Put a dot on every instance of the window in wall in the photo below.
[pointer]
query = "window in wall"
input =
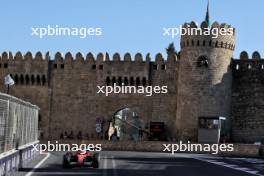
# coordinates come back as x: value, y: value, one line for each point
x: 108, y: 81
x: 137, y: 81
x: 5, y: 65
x: 27, y: 80
x: 203, y: 61
x: 144, y: 82
x: 113, y: 80
x: 38, y: 80
x: 32, y: 79
x: 132, y: 81
x: 21, y: 79
x: 43, y: 79
x: 119, y: 81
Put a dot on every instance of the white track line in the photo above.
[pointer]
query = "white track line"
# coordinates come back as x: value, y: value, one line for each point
x: 105, y: 166
x: 65, y: 173
x: 38, y: 165
x: 114, y: 165
x: 249, y: 171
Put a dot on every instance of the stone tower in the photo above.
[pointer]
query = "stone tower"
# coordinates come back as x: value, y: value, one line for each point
x: 205, y: 76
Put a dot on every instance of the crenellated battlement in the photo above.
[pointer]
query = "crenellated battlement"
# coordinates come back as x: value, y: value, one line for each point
x: 246, y: 63
x: 255, y: 56
x: 208, y: 36
x: 39, y: 69
x: 100, y: 58
x: 69, y: 58
x: 26, y: 57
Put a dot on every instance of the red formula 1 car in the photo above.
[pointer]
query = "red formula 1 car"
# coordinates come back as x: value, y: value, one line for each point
x: 80, y: 158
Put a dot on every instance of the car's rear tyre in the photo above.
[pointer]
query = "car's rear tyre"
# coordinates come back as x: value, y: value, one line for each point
x: 95, y: 163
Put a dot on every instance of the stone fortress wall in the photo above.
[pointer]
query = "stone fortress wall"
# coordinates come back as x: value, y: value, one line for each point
x: 204, y: 84
x: 65, y: 87
x: 247, y: 98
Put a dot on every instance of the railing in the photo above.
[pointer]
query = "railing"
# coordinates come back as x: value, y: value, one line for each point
x: 18, y: 123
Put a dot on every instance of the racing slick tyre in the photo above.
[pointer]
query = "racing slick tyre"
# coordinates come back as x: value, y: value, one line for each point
x: 65, y: 162
x: 95, y: 163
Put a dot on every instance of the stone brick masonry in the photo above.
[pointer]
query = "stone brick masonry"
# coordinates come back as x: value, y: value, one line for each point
x: 65, y: 87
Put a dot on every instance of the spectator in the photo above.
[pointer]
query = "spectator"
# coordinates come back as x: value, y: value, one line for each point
x: 140, y: 133
x: 114, y: 135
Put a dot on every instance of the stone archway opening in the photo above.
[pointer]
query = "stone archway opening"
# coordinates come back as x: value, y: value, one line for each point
x: 126, y: 124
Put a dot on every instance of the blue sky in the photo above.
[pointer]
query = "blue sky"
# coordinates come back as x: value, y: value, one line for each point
x: 128, y: 25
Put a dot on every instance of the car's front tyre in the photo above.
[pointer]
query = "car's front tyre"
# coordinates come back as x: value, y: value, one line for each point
x: 65, y: 162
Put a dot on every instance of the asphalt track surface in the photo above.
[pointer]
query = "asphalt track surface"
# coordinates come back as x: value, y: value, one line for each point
x: 117, y: 163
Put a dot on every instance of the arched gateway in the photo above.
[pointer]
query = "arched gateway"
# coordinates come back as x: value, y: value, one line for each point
x: 126, y: 125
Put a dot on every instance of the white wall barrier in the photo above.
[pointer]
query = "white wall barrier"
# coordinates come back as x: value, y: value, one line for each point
x: 18, y: 131
x: 12, y: 161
